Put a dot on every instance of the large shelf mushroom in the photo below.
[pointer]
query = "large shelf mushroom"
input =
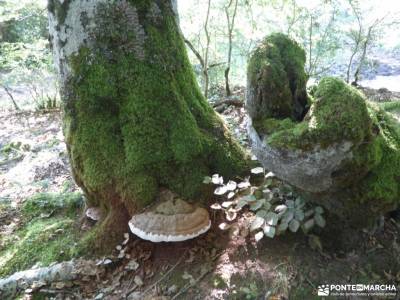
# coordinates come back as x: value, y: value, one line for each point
x: 171, y: 221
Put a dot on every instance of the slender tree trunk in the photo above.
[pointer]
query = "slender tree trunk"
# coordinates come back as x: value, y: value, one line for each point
x: 231, y: 25
x: 208, y: 40
x: 357, y: 40
x: 310, y: 33
x: 134, y: 117
x: 362, y: 57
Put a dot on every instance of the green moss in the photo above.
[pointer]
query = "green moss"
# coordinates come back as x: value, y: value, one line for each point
x: 371, y: 177
x: 276, y: 72
x: 45, y: 203
x: 382, y: 183
x: 391, y: 106
x: 48, y: 226
x: 271, y: 125
x: 339, y: 112
x: 133, y: 126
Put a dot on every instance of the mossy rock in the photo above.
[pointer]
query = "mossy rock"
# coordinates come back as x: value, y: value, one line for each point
x: 338, y: 113
x: 345, y: 153
x: 277, y: 80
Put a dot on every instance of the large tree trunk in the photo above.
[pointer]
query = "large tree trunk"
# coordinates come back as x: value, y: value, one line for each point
x: 134, y: 118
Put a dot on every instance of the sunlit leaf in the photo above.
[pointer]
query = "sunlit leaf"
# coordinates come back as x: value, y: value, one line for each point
x: 220, y: 190
x: 231, y: 185
x: 270, y: 175
x: 216, y: 206
x: 241, y: 203
x: 271, y: 218
x: 261, y: 213
x: 249, y: 198
x: 257, y: 170
x: 216, y: 179
x: 243, y: 185
x: 224, y: 226
x: 230, y: 195
x: 227, y: 204
x: 281, y: 209
x: 256, y: 223
x: 258, y: 236
x: 269, y: 231
x: 257, y: 204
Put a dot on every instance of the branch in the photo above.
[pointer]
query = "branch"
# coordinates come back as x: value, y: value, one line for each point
x: 234, y: 102
x: 11, y: 97
x: 195, y: 52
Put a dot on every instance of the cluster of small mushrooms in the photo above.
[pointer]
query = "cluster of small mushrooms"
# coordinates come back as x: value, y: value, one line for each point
x: 172, y: 220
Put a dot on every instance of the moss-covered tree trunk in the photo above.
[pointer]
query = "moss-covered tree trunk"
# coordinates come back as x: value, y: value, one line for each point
x: 134, y: 118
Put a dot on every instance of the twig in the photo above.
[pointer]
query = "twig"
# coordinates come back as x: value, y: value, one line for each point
x: 11, y: 97
x: 234, y: 102
x: 162, y: 278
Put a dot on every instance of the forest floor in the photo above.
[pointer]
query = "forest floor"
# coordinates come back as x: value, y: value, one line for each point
x: 40, y: 223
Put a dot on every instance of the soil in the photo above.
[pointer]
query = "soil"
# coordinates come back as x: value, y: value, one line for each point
x: 218, y: 265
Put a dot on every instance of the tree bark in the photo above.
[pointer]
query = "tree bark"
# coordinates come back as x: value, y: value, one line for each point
x: 134, y: 117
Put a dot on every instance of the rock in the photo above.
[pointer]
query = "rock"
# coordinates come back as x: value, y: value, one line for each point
x: 277, y: 80
x: 344, y: 154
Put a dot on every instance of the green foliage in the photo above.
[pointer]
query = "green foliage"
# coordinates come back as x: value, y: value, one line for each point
x: 273, y: 208
x: 48, y: 227
x: 20, y: 55
x: 392, y: 106
x: 24, y: 24
x: 49, y: 203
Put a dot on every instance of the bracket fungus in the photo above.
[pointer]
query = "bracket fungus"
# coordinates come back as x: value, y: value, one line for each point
x: 171, y: 221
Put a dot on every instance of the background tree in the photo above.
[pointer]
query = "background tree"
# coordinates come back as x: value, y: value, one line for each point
x: 230, y: 19
x: 134, y: 118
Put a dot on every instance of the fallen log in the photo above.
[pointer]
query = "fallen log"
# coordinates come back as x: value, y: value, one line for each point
x: 64, y: 271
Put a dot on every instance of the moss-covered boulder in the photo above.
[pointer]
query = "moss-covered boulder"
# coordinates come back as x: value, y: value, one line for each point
x: 344, y: 154
x: 277, y: 80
